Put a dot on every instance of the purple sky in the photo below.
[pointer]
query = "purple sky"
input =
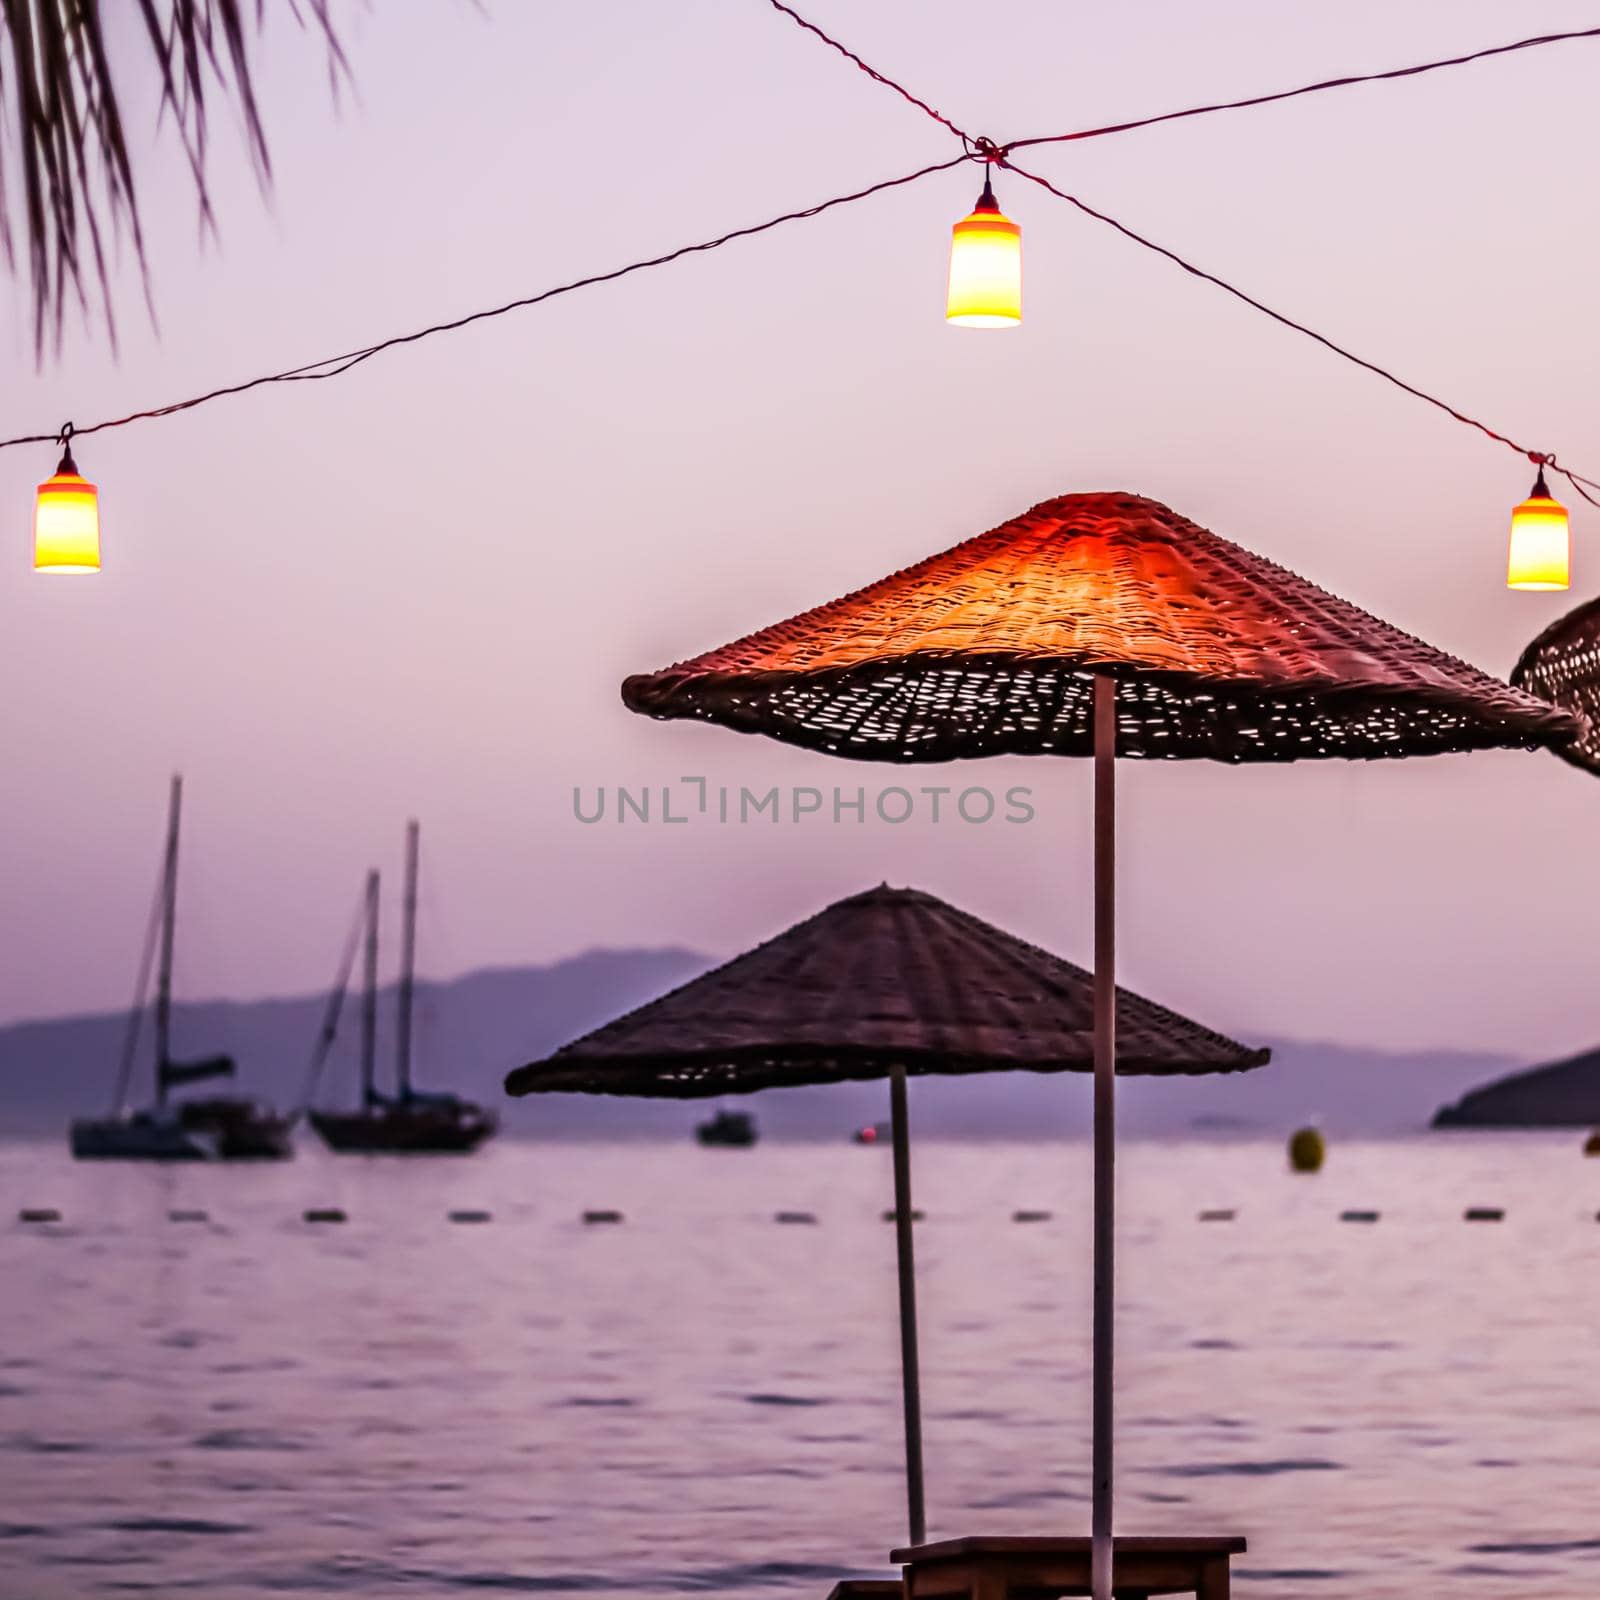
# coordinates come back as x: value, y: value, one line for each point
x: 416, y: 589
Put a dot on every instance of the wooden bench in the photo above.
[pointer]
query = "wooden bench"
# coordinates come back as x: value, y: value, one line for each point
x: 1042, y: 1569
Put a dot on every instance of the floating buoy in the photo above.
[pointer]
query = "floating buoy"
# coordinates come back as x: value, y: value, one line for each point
x: 1217, y: 1216
x: 324, y: 1214
x: 1485, y: 1214
x: 470, y: 1216
x: 1358, y: 1216
x: 1030, y: 1216
x: 187, y: 1216
x: 794, y: 1216
x: 602, y: 1216
x: 894, y: 1216
x: 1591, y: 1145
x: 38, y: 1214
x: 1307, y: 1150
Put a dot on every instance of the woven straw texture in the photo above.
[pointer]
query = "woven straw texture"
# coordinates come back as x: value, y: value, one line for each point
x: 890, y: 977
x: 1563, y: 666
x: 989, y: 649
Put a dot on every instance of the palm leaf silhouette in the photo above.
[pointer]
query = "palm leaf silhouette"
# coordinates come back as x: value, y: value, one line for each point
x: 66, y: 177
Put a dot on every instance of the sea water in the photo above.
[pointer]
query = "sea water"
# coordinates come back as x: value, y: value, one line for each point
x: 699, y: 1399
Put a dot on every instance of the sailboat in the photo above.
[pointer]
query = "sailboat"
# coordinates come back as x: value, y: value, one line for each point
x: 411, y: 1121
x: 224, y: 1126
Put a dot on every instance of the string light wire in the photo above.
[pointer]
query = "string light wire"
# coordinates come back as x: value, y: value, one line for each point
x: 988, y: 151
x: 1310, y: 88
x: 1389, y: 75
x: 333, y: 366
x: 973, y: 149
x: 871, y: 71
x: 1537, y: 456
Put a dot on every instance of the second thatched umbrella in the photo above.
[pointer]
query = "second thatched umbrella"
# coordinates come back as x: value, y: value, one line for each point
x: 884, y: 984
x: 1099, y: 624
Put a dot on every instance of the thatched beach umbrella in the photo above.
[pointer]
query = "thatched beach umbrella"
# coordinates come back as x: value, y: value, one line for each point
x: 1563, y: 666
x: 1098, y: 624
x: 883, y: 984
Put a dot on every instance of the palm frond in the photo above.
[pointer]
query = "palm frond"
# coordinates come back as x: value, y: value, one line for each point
x: 66, y: 175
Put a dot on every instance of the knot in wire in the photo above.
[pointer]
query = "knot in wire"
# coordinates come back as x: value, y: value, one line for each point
x: 985, y: 150
x: 64, y: 438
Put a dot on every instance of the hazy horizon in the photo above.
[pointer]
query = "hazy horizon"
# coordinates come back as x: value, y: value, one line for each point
x: 388, y: 983
x: 415, y: 590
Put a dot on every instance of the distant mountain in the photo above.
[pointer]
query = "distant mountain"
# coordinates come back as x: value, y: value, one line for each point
x: 470, y: 1030
x: 1564, y: 1094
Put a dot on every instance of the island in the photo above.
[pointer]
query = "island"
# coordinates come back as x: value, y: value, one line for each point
x: 1561, y: 1094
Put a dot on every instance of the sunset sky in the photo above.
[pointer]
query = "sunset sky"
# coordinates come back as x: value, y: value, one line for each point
x: 415, y: 590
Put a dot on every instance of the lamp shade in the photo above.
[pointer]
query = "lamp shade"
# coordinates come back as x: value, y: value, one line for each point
x: 1540, y: 542
x: 66, y: 522
x: 985, y: 288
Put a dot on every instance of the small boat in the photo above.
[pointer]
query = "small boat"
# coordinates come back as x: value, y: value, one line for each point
x: 153, y: 1135
x: 411, y: 1121
x: 419, y: 1124
x: 176, y: 1130
x: 872, y: 1133
x: 733, y: 1130
x: 239, y: 1129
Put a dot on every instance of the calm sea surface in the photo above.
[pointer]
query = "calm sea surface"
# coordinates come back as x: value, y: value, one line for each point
x: 702, y: 1400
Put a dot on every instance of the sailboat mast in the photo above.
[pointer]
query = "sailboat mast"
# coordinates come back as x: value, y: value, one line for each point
x: 369, y: 999
x: 169, y: 916
x: 408, y: 961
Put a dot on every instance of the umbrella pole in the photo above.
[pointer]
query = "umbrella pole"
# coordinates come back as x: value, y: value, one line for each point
x: 1105, y: 1125
x: 910, y: 1378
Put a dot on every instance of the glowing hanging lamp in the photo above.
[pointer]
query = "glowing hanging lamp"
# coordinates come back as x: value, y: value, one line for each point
x: 985, y: 267
x: 1540, y: 541
x: 66, y: 518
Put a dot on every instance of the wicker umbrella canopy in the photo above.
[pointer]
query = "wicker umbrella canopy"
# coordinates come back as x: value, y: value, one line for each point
x: 991, y: 647
x: 884, y: 979
x: 885, y: 983
x: 1104, y: 625
x: 1563, y: 666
